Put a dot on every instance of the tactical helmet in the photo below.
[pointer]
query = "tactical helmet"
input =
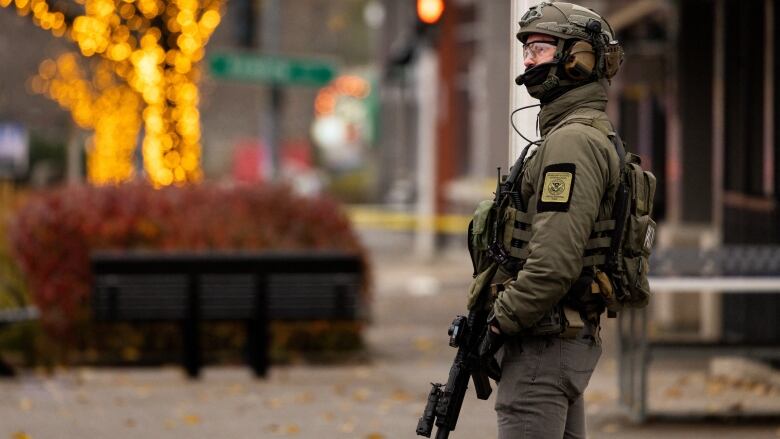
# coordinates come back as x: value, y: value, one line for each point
x: 587, y: 48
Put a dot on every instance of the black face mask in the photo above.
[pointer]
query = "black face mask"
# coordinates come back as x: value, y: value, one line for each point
x: 543, y: 82
x: 540, y: 79
x: 536, y: 75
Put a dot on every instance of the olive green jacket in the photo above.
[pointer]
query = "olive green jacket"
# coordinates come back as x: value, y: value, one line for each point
x: 570, y: 182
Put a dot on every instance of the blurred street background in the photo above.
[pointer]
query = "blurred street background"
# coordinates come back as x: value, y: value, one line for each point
x: 371, y: 128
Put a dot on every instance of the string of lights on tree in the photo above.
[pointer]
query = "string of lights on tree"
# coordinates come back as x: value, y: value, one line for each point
x: 139, y: 70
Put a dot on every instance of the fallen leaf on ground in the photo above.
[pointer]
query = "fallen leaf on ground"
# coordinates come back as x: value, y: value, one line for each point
x: 236, y: 389
x: 143, y: 391
x: 130, y: 423
x: 385, y: 407
x: 683, y: 380
x: 347, y: 427
x: 375, y: 436
x: 715, y: 388
x: 673, y: 392
x: 82, y: 398
x: 273, y: 403
x: 595, y: 397
x: 423, y: 344
x: 760, y: 389
x: 400, y: 396
x: 20, y: 435
x: 610, y: 428
x: 191, y: 419
x: 340, y: 389
x: 293, y: 429
x: 25, y: 404
x: 327, y: 416
x: 361, y: 394
x: 740, y: 383
x: 363, y: 372
x: 304, y: 398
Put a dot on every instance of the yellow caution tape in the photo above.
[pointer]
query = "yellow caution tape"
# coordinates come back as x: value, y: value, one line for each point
x: 375, y: 218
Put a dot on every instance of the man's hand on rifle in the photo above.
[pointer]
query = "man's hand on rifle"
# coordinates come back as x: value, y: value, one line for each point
x: 491, y: 343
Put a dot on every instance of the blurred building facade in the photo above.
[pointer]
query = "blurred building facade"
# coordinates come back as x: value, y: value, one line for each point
x: 698, y: 101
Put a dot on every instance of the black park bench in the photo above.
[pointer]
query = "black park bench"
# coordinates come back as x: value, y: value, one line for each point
x: 11, y: 316
x: 189, y: 287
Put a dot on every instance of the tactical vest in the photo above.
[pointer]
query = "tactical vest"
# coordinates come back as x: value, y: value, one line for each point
x: 615, y: 261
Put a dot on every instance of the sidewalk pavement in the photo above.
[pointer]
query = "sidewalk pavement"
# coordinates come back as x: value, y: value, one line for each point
x: 381, y: 398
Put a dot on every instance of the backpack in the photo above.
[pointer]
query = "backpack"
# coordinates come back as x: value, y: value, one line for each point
x: 618, y: 249
x: 627, y: 264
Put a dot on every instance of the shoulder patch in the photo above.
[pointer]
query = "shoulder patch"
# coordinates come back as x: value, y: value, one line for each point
x: 557, y: 187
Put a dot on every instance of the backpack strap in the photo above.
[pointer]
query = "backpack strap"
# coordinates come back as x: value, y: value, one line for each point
x: 620, y: 208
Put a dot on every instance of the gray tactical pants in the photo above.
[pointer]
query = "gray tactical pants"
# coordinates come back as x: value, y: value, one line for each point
x: 540, y: 393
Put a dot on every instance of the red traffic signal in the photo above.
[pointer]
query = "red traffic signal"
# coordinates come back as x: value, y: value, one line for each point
x: 430, y: 11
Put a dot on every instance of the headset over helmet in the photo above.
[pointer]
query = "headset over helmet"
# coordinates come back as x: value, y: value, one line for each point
x: 587, y: 49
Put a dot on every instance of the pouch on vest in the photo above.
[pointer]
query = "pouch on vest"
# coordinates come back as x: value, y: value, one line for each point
x: 480, y: 235
x: 627, y: 263
x: 639, y: 235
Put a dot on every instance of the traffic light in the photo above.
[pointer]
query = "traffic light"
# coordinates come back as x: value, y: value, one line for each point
x: 424, y: 33
x: 429, y: 11
x: 429, y: 17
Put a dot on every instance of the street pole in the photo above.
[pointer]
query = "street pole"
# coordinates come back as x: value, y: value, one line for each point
x: 525, y: 120
x: 426, y: 93
x: 271, y: 17
x: 73, y: 165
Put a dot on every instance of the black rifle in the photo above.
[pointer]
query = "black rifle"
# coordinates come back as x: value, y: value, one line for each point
x: 445, y: 400
x: 505, y: 188
x: 470, y: 335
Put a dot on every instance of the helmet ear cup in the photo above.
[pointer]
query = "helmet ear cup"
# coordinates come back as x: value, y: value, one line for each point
x: 614, y: 58
x: 580, y: 61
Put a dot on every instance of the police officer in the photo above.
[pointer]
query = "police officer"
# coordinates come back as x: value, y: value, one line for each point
x: 543, y: 311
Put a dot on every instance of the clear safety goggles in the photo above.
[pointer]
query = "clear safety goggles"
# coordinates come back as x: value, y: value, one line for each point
x: 537, y: 49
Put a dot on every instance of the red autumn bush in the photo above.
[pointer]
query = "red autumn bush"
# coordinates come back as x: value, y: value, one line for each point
x: 53, y: 233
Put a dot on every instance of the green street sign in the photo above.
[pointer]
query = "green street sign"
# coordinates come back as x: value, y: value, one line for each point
x: 271, y: 69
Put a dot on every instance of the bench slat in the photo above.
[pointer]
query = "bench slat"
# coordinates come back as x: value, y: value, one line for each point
x: 15, y: 315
